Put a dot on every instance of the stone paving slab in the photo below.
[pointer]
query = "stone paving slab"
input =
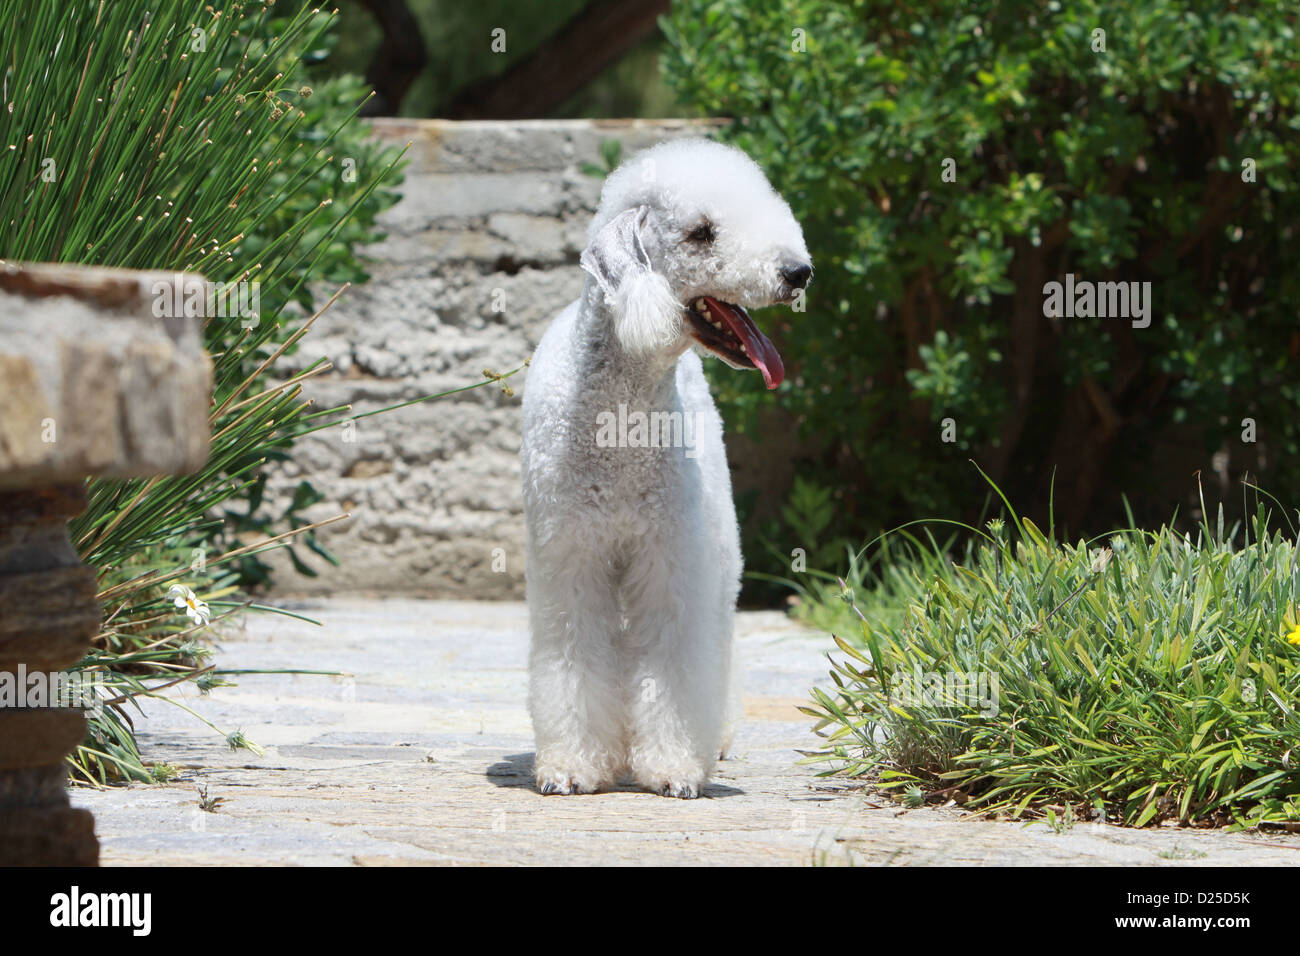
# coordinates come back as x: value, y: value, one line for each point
x: 422, y: 755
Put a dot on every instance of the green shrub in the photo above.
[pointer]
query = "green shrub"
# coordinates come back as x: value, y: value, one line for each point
x: 928, y: 299
x: 1145, y: 676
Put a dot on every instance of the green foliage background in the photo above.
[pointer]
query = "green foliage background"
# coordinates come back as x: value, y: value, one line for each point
x: 457, y: 35
x: 927, y: 301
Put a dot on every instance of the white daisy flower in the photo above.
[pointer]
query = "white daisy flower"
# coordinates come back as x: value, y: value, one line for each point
x: 198, y: 612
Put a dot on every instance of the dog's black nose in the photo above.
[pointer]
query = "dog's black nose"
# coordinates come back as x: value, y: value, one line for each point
x: 797, y: 276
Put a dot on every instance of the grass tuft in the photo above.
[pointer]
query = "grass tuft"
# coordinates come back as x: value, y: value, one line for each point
x: 1151, y: 676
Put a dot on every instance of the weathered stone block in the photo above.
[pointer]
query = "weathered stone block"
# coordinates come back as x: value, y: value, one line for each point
x: 31, y: 836
x: 94, y: 380
x: 37, y: 737
x: 34, y: 787
x: 100, y: 375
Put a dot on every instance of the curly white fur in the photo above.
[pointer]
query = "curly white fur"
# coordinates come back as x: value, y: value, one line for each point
x: 633, y: 550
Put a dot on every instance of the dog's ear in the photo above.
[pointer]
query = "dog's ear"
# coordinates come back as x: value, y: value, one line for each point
x: 617, y: 250
x: 646, y: 314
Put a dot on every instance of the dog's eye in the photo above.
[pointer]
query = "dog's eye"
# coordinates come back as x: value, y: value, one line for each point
x: 701, y: 233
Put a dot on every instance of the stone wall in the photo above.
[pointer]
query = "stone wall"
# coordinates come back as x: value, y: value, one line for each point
x: 482, y: 251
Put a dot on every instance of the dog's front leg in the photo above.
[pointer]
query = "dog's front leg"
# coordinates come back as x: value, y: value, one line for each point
x: 676, y: 668
x: 573, y: 693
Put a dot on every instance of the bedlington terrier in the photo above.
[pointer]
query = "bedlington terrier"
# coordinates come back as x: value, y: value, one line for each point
x: 633, y: 549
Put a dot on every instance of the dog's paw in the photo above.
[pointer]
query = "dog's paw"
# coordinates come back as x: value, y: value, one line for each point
x: 682, y: 778
x: 684, y: 791
x: 566, y: 784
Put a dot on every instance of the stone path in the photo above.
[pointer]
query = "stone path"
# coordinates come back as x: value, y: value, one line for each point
x: 422, y: 755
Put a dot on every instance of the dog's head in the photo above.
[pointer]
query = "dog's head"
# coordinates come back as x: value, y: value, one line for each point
x: 688, y: 236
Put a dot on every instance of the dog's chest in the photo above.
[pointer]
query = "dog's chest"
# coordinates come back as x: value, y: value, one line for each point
x: 627, y: 463
x: 642, y: 469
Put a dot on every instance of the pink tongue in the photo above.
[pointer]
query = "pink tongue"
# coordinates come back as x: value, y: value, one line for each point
x: 757, y: 345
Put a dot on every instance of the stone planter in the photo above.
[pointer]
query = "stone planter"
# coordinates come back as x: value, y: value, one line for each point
x: 93, y: 383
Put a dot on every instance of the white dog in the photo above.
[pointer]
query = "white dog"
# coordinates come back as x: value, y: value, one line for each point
x: 633, y: 550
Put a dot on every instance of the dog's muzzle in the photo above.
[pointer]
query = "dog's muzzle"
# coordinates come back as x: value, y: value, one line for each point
x: 728, y: 332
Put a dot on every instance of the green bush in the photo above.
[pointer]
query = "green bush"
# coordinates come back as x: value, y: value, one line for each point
x: 928, y: 299
x: 1142, y: 677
